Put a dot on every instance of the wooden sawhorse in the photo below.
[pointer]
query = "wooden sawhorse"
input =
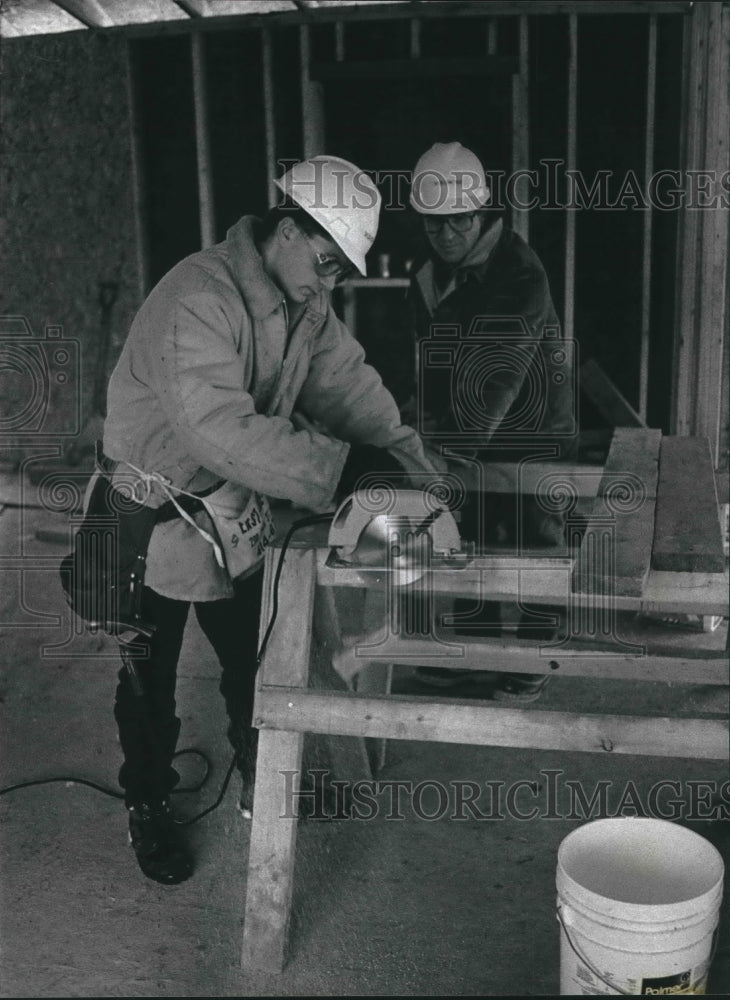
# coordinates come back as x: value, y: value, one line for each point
x: 287, y: 707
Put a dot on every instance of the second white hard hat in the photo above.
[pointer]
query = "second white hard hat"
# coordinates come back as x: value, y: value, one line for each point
x: 448, y: 180
x: 341, y: 198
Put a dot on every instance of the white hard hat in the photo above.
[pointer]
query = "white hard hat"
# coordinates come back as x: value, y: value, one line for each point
x: 341, y: 198
x: 447, y: 180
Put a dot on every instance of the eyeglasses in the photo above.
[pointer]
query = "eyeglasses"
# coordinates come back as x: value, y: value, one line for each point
x: 326, y: 265
x: 460, y: 223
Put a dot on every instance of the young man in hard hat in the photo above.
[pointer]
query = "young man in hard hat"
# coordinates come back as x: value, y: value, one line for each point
x: 489, y: 377
x: 231, y: 346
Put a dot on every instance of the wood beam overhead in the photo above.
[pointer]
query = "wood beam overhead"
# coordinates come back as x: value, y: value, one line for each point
x: 89, y: 12
x: 146, y: 17
x: 39, y: 18
x: 224, y: 8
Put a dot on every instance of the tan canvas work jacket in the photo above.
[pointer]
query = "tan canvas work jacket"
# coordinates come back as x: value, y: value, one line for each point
x: 207, y: 388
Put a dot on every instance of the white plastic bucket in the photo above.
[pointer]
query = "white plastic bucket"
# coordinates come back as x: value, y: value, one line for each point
x: 638, y: 904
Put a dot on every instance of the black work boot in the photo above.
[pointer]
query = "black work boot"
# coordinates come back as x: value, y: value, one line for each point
x: 161, y: 854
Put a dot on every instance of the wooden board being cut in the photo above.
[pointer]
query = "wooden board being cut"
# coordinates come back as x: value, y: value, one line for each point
x: 615, y: 555
x: 687, y: 534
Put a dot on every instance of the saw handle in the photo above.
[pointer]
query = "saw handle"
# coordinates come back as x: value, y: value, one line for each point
x: 428, y: 521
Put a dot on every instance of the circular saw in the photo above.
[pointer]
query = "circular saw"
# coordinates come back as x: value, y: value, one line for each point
x: 400, y: 533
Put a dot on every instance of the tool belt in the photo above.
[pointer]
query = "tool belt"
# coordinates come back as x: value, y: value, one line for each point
x: 103, y: 576
x: 190, y: 504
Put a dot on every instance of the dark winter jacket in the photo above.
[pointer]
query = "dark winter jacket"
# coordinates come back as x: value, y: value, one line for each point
x: 494, y: 377
x: 492, y: 367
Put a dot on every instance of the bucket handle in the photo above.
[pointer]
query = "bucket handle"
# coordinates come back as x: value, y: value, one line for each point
x: 594, y: 970
x: 584, y: 960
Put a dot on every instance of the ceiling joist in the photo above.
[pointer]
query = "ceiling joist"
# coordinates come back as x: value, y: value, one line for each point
x: 19, y: 18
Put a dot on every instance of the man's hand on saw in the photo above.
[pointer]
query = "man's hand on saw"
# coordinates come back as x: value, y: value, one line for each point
x: 368, y: 460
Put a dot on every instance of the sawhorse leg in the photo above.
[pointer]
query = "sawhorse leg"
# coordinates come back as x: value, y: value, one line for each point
x: 376, y: 676
x: 272, y: 854
x: 347, y: 757
x: 274, y: 824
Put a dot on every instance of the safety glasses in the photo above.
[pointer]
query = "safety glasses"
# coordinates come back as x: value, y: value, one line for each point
x: 460, y: 223
x: 327, y: 265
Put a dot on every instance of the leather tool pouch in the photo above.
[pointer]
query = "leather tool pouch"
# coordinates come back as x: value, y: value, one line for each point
x: 103, y: 575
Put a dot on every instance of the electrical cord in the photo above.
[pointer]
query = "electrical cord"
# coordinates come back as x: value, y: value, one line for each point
x: 68, y: 780
x: 75, y: 780
x: 295, y: 526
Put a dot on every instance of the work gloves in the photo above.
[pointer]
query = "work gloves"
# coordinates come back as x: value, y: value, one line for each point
x: 365, y: 459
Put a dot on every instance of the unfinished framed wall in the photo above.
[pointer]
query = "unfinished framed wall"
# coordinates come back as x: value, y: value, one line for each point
x: 700, y: 377
x: 609, y: 121
x: 588, y: 176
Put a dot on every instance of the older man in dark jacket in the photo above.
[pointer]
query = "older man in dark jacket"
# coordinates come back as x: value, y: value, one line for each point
x: 495, y: 379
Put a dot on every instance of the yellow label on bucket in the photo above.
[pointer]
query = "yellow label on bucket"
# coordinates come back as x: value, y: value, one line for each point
x: 663, y: 986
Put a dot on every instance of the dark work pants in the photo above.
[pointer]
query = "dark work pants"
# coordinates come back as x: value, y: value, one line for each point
x: 148, y: 724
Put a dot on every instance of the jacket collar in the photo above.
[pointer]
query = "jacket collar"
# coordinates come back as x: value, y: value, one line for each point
x: 475, y: 263
x: 477, y: 258
x: 262, y: 295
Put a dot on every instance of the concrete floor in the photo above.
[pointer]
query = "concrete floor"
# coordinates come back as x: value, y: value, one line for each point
x: 407, y: 907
